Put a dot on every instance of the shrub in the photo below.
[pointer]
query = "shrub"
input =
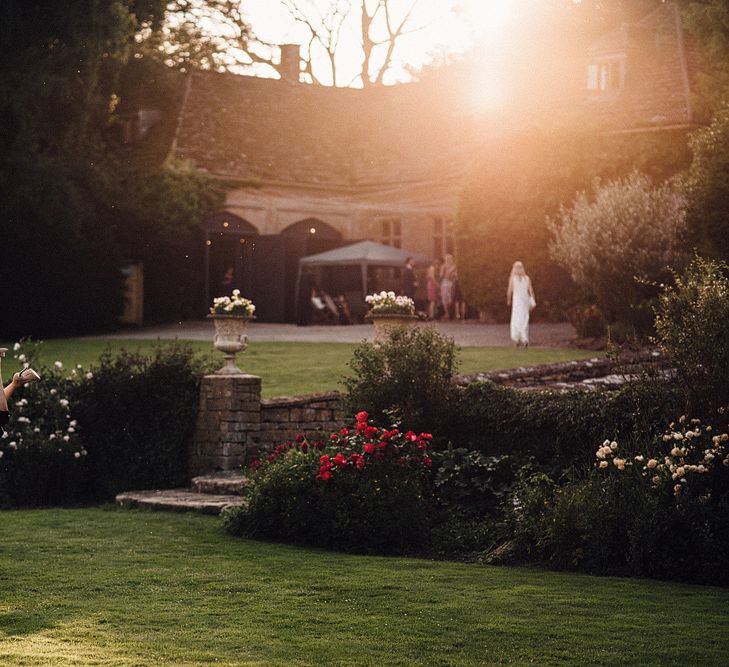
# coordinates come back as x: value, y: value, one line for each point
x: 472, y: 483
x: 411, y: 372
x: 621, y: 242
x: 43, y: 460
x: 364, y: 490
x: 138, y: 415
x: 589, y: 322
x: 81, y: 436
x: 556, y: 428
x: 691, y: 330
x: 657, y: 507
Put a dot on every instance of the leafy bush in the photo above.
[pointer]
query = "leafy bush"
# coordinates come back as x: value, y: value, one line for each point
x: 43, y: 459
x: 80, y: 436
x: 691, y: 324
x: 364, y: 490
x: 411, y: 372
x: 708, y: 188
x: 138, y: 416
x: 621, y: 242
x: 656, y: 507
x: 472, y: 483
x: 589, y: 322
x: 556, y: 428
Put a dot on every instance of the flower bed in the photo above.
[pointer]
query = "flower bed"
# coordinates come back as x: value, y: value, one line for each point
x: 363, y: 489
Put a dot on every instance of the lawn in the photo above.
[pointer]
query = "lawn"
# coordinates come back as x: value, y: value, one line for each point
x: 299, y: 368
x: 115, y: 587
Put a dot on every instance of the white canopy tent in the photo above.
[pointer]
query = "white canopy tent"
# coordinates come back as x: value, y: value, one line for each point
x: 364, y: 254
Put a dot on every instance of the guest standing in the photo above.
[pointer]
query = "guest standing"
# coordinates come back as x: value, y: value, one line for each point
x: 448, y: 285
x: 520, y: 296
x: 409, y: 281
x: 433, y: 288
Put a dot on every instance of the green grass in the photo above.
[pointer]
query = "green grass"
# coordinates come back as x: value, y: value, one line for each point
x: 114, y: 587
x: 299, y: 368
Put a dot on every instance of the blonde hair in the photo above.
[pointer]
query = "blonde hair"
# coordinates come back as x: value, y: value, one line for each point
x: 517, y: 268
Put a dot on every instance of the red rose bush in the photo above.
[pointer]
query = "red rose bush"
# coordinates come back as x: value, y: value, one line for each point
x: 364, y: 489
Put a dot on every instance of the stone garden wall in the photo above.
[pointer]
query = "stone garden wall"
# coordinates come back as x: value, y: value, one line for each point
x: 234, y: 423
x: 282, y: 418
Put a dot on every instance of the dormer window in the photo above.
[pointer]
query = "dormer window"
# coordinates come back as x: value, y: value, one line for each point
x: 605, y: 75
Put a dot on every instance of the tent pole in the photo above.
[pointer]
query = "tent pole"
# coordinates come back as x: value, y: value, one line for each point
x: 297, y: 307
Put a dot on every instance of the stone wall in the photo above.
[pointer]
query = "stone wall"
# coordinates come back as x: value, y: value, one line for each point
x: 228, y: 427
x: 234, y: 424
x: 282, y: 418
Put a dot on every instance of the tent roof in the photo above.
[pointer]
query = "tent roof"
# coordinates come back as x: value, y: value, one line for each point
x: 364, y: 252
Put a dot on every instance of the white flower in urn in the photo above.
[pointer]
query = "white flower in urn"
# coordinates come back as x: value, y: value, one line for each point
x: 389, y: 303
x: 235, y: 304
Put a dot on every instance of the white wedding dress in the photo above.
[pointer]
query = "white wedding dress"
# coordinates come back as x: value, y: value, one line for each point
x: 520, y: 309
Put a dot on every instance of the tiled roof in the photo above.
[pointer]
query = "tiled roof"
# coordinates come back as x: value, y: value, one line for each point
x: 289, y: 133
x: 273, y: 130
x: 659, y: 65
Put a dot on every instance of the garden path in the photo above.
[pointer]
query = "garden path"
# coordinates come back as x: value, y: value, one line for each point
x: 467, y: 334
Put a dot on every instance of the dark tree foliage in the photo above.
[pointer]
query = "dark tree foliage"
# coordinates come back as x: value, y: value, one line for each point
x: 708, y: 22
x: 708, y: 188
x: 75, y: 207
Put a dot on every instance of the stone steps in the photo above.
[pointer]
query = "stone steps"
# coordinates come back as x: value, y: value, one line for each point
x: 222, y: 483
x: 209, y: 494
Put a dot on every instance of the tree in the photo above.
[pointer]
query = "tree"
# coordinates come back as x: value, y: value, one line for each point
x: 708, y: 187
x: 204, y: 34
x: 708, y: 22
x: 620, y: 242
x: 377, y: 24
x: 69, y: 206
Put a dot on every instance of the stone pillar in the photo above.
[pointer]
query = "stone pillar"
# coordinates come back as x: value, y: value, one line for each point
x: 228, y: 423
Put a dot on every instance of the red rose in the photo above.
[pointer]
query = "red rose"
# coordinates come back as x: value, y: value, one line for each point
x: 369, y: 447
x: 382, y: 445
x: 411, y: 436
x: 344, y: 431
x: 360, y: 463
x: 324, y: 459
x: 324, y: 475
x: 361, y: 416
x: 371, y: 431
x: 426, y: 436
x: 340, y: 459
x: 422, y: 445
x: 427, y: 461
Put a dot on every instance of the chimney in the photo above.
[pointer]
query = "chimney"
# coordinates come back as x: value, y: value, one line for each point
x: 290, y: 66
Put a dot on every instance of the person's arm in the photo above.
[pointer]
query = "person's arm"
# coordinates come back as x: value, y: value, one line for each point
x: 509, y: 292
x: 531, y: 290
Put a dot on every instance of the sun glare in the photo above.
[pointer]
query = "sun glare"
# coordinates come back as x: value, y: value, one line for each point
x: 489, y: 16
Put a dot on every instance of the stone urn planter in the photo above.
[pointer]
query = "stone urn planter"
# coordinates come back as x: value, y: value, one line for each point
x: 384, y: 323
x: 230, y: 338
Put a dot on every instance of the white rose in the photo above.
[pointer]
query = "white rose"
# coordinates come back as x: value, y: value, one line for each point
x: 603, y: 464
x: 58, y: 364
x: 16, y: 347
x: 652, y: 463
x: 21, y: 358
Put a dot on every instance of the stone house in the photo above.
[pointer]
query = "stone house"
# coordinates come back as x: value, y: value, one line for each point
x: 312, y: 167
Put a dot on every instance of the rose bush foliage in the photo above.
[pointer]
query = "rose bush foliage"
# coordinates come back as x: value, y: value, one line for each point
x: 365, y: 489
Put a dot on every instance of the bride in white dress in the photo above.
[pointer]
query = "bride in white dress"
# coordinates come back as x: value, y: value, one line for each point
x: 520, y: 296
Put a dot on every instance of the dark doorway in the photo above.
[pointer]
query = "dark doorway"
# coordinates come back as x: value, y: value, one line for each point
x: 303, y: 238
x: 228, y: 255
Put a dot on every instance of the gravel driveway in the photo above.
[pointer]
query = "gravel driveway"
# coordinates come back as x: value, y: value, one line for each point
x: 465, y: 334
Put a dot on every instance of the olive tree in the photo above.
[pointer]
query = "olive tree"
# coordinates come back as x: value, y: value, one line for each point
x: 620, y: 240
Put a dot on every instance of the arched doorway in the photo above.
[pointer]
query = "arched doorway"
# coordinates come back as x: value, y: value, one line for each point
x: 306, y: 237
x: 229, y: 245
